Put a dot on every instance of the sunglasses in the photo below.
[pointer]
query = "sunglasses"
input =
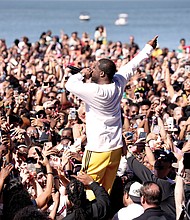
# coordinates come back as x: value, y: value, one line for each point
x: 31, y: 160
x: 51, y: 97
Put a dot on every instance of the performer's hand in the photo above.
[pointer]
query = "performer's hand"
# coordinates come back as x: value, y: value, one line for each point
x: 87, y: 73
x: 153, y: 42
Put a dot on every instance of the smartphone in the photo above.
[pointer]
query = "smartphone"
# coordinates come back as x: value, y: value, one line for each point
x: 186, y: 160
x: 39, y: 153
x: 129, y: 135
x: 170, y: 123
x: 187, y: 136
x: 72, y: 113
x: 187, y: 68
x: 142, y: 135
x: 156, y: 129
x: 33, y: 78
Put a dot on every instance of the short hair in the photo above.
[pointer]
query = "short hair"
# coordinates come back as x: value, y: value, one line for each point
x: 182, y: 39
x: 108, y: 67
x: 151, y: 192
x: 134, y: 105
x: 178, y: 98
x: 171, y: 106
x: 183, y: 118
x: 145, y: 102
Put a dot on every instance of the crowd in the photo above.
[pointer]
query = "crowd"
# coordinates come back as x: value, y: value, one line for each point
x: 44, y: 135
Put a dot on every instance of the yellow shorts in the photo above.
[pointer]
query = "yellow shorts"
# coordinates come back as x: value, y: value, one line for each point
x: 102, y: 166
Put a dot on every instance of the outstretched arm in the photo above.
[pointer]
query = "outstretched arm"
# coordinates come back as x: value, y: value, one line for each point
x: 128, y: 70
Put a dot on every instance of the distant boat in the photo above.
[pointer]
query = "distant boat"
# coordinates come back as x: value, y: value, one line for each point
x: 122, y: 19
x: 84, y: 16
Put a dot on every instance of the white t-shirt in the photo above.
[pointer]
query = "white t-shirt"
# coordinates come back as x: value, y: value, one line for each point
x: 130, y: 212
x: 103, y: 110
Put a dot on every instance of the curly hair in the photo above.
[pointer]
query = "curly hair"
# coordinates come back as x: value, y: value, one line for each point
x: 30, y: 213
x: 77, y: 195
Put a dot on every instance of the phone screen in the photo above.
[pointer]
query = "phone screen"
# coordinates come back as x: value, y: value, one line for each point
x: 156, y: 129
x: 170, y: 123
x: 187, y: 68
x: 72, y: 113
x: 142, y: 135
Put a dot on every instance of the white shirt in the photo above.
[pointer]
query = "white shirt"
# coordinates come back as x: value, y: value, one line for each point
x: 130, y: 212
x: 103, y: 110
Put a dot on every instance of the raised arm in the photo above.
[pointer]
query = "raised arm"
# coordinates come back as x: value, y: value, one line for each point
x: 128, y: 70
x: 43, y: 198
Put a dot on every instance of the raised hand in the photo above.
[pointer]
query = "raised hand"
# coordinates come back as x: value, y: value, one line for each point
x: 153, y: 42
x: 5, y: 170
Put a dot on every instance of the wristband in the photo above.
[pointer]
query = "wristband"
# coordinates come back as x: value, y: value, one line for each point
x: 90, y: 182
x: 50, y: 173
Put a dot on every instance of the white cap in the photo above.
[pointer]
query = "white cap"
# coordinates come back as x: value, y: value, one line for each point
x: 134, y: 191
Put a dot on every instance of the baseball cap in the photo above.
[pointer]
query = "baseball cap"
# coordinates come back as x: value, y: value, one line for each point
x: 134, y: 192
x: 48, y: 104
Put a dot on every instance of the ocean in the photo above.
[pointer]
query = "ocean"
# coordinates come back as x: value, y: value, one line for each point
x: 170, y: 19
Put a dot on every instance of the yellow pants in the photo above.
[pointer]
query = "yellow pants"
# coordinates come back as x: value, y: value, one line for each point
x: 102, y: 167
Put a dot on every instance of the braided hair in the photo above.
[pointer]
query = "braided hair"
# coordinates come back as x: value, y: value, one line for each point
x: 77, y: 195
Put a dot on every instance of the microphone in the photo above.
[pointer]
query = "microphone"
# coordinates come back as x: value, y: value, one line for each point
x: 74, y: 70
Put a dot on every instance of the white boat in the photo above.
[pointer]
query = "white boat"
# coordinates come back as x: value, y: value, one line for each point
x: 122, y: 19
x: 84, y: 16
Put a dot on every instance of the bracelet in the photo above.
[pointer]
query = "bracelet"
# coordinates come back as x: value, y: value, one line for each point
x: 50, y: 173
x: 179, y: 174
x: 56, y: 177
x: 91, y: 182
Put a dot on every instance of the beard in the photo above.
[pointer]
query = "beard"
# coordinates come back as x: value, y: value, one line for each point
x: 94, y: 79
